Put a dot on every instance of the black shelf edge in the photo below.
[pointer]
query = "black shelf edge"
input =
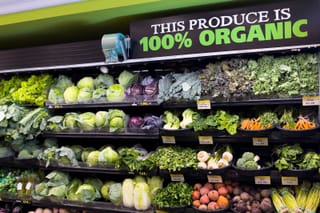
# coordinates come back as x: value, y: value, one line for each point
x: 102, y: 105
x: 122, y: 135
x: 96, y: 206
x: 251, y: 102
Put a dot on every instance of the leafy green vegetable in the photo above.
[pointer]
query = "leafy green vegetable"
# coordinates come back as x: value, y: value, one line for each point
x: 70, y: 121
x: 126, y: 78
x: 84, y: 95
x: 55, y: 95
x: 34, y: 90
x: 58, y: 191
x: 175, y: 194
x: 57, y: 178
x: 115, y: 193
x: 179, y: 86
x: 86, y: 82
x: 7, y: 87
x: 103, y: 81
x: 71, y: 95
x: 55, y: 123
x: 171, y: 121
x: 115, y: 93
x: 294, y: 157
x: 72, y: 189
x: 105, y: 189
x: 93, y: 158
x: 87, y: 121
x: 175, y: 158
x: 86, y: 192
x: 116, y: 120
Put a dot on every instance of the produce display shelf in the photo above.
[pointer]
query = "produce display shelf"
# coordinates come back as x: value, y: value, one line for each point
x: 95, y: 206
x: 245, y: 102
x: 122, y: 135
x: 102, y: 105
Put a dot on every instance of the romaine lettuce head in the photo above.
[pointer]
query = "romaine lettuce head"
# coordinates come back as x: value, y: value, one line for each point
x: 103, y: 81
x: 87, y: 121
x: 127, y: 78
x: 85, y: 82
x: 85, y: 95
x: 71, y: 95
x: 115, y: 93
x: 70, y: 120
x: 86, y: 192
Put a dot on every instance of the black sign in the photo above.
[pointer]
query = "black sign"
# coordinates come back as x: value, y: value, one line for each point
x: 283, y: 24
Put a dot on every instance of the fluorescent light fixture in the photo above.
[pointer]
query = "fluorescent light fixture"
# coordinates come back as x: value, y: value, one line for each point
x: 16, y: 6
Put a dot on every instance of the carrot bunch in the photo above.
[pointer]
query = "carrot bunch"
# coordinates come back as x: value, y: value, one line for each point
x: 253, y: 124
x: 302, y: 124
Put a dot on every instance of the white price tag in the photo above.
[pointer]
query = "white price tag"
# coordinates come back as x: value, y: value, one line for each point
x: 177, y: 177
x: 203, y: 104
x: 214, y: 179
x: 260, y: 141
x: 289, y: 181
x: 262, y: 180
x: 19, y: 186
x: 205, y: 140
x: 168, y: 139
x: 310, y: 100
x: 28, y: 186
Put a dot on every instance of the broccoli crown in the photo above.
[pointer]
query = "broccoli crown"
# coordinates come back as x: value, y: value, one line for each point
x: 240, y: 163
x: 248, y: 156
x: 251, y: 165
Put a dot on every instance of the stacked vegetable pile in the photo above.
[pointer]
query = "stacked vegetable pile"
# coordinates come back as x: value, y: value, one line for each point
x: 175, y: 158
x: 283, y: 76
x: 146, y: 123
x: 293, y: 157
x: 19, y: 124
x: 221, y: 158
x: 303, y: 198
x: 73, y: 155
x: 250, y: 161
x: 175, y: 194
x: 8, y: 181
x: 32, y: 90
x: 211, y: 197
x: 221, y: 120
x: 249, y: 199
x: 134, y: 193
x: 179, y: 87
x: 290, y: 122
x: 103, y: 88
x: 264, y: 121
x: 113, y: 120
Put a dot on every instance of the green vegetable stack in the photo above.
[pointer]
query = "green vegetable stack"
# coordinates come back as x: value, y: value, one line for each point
x: 173, y: 195
x: 248, y: 161
x: 294, y: 157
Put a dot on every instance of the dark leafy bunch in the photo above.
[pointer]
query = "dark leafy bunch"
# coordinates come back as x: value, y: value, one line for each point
x: 173, y: 195
x: 175, y: 158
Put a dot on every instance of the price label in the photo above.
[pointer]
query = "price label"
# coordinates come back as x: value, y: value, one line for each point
x: 26, y: 201
x: 262, y: 180
x: 260, y: 141
x: 57, y: 107
x: 289, y: 180
x: 144, y: 103
x: 28, y: 186
x: 203, y: 104
x: 214, y: 179
x: 310, y: 100
x: 205, y: 140
x: 168, y: 139
x: 161, y: 211
x: 19, y: 186
x: 177, y: 177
